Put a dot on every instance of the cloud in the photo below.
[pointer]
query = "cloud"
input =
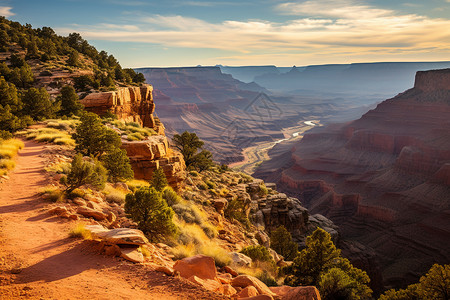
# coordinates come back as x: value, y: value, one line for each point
x: 345, y: 9
x: 6, y: 11
x: 314, y: 34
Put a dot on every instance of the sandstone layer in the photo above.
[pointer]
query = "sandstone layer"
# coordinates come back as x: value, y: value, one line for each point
x: 383, y: 179
x: 135, y: 104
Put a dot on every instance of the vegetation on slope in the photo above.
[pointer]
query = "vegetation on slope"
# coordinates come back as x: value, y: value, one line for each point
x: 42, y: 74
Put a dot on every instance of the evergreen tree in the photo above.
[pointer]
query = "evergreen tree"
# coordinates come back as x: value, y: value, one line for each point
x: 159, y: 181
x: 37, y: 104
x: 85, y: 172
x: 69, y: 102
x: 317, y: 263
x: 189, y: 144
x: 152, y: 214
x: 118, y: 165
x: 281, y: 241
x: 74, y: 59
x: 93, y: 138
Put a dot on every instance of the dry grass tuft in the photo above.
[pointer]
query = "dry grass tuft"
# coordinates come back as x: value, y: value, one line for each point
x: 80, y: 231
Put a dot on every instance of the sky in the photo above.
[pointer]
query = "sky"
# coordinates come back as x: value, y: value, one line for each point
x: 148, y: 33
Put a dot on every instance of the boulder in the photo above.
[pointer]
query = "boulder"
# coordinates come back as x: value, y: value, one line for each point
x: 302, y: 293
x: 280, y: 290
x: 249, y: 291
x: 247, y: 280
x: 225, y: 278
x: 240, y: 259
x: 166, y: 270
x: 132, y: 254
x: 276, y: 257
x: 228, y: 290
x: 230, y: 271
x: 122, y: 236
x: 200, y: 265
x: 209, y: 284
x: 263, y: 238
x: 91, y: 213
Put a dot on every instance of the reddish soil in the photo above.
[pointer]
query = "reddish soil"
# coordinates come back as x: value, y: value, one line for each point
x: 39, y: 261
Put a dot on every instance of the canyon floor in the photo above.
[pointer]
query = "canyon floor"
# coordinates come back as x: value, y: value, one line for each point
x: 38, y: 259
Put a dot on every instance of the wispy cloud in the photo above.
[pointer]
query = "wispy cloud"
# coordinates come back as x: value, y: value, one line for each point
x: 319, y: 29
x: 6, y: 11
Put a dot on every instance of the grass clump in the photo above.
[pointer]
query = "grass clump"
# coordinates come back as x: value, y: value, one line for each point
x: 80, y: 231
x: 135, y: 184
x: 53, y: 194
x: 9, y: 148
x: 114, y: 195
x: 48, y: 135
x: 258, y: 253
x: 133, y: 130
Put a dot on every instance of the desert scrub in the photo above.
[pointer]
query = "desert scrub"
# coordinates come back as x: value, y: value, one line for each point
x: 68, y: 125
x: 263, y: 191
x: 60, y: 167
x: 8, y: 150
x: 135, y: 184
x: 114, y: 195
x: 244, y: 178
x: 50, y: 135
x: 171, y: 197
x: 80, y: 231
x: 133, y: 130
x: 258, y: 253
x: 52, y: 193
x: 202, y: 186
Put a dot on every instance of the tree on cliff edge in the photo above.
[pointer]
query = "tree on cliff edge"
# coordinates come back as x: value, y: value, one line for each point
x: 189, y: 144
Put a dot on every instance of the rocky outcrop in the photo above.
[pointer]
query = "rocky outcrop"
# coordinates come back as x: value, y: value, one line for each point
x: 277, y: 209
x: 148, y: 155
x: 383, y: 179
x: 131, y: 104
x: 136, y: 104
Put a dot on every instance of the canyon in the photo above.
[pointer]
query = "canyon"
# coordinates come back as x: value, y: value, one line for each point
x: 384, y: 179
x: 230, y: 115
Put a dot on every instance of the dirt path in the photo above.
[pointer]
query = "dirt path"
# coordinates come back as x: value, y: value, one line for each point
x: 39, y: 261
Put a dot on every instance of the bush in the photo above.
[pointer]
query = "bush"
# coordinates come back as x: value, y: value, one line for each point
x: 70, y: 105
x: 189, y: 144
x: 152, y: 214
x: 93, y: 138
x: 171, y: 196
x: 316, y: 264
x: 188, y: 213
x: 236, y: 210
x: 118, y: 165
x: 159, y: 180
x: 80, y: 231
x: 281, y: 242
x: 84, y: 172
x: 258, y: 253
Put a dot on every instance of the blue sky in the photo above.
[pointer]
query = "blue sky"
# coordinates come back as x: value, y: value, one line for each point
x: 143, y: 33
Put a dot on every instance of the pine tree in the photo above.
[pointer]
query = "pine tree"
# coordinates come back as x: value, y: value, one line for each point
x: 159, y: 181
x: 118, y: 165
x: 281, y: 241
x: 84, y: 172
x: 70, y: 105
x: 152, y: 214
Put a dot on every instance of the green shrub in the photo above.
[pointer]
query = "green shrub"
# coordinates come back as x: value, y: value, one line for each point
x: 171, y: 196
x: 258, y: 253
x: 152, y: 214
x: 236, y: 211
x: 84, y: 172
x: 189, y: 213
x: 118, y: 165
x: 268, y: 279
x: 159, y: 180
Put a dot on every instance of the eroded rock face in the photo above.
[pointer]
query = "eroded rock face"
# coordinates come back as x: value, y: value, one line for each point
x: 149, y: 155
x: 131, y: 104
x: 383, y: 179
x: 136, y: 104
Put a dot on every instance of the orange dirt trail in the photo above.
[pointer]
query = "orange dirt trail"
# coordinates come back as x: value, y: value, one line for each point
x: 39, y: 261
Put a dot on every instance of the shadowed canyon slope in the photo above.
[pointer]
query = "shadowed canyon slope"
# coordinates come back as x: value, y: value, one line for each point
x: 231, y: 115
x: 383, y: 179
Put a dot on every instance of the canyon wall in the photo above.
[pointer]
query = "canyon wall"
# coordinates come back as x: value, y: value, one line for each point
x: 383, y: 179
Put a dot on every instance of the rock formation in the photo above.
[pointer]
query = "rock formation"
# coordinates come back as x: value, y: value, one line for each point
x: 135, y: 104
x: 131, y: 104
x: 383, y: 179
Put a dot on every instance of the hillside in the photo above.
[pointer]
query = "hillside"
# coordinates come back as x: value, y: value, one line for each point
x: 383, y: 178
